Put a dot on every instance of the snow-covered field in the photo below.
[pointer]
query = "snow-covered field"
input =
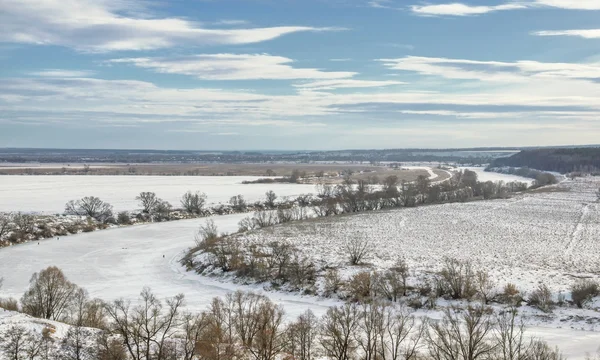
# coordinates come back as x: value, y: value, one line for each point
x: 119, y: 262
x: 546, y: 237
x: 49, y: 194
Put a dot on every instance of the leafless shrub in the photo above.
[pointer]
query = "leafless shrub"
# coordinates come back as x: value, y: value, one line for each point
x: 207, y: 235
x: 485, y: 287
x: 361, y: 286
x: 238, y: 203
x: 271, y: 197
x: 6, y: 224
x: 109, y: 348
x: 541, y: 298
x: 357, y: 248
x: 90, y: 206
x: 123, y: 218
x: 583, y: 291
x: 264, y: 218
x: 332, y: 282
x: 246, y: 224
x: 9, y: 304
x: 193, y: 203
x: 456, y: 279
x: 285, y: 215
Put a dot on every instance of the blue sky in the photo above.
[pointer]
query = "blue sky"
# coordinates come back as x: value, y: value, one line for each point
x: 298, y: 74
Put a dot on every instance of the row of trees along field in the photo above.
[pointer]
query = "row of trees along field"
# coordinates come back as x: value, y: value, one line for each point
x: 349, y: 197
x: 245, y: 325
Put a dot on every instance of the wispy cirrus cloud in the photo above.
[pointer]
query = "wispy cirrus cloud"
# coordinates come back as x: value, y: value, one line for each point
x: 346, y: 84
x: 463, y: 9
x: 583, y: 33
x: 114, y: 25
x: 571, y: 4
x: 60, y: 73
x: 459, y: 9
x: 494, y: 71
x: 233, y: 67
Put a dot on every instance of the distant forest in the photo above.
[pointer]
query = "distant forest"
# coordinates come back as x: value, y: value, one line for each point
x: 562, y: 160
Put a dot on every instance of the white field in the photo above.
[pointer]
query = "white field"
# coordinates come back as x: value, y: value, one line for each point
x: 49, y: 194
x: 542, y: 236
x: 545, y: 237
x: 119, y: 262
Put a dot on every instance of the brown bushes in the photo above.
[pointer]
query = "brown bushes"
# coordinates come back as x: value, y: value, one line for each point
x: 583, y: 291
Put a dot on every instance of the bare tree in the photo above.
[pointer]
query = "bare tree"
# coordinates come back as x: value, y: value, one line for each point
x: 14, y: 342
x: 74, y: 345
x: 146, y: 327
x: 268, y: 341
x: 510, y: 336
x: 50, y: 294
x: 464, y: 337
x: 193, y: 202
x: 301, y: 336
x: 271, y: 197
x: 399, y: 337
x: 337, y: 335
x: 357, y: 248
x: 486, y: 288
x: 90, y: 206
x: 148, y: 201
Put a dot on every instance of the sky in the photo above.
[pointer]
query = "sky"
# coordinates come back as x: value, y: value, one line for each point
x: 298, y: 74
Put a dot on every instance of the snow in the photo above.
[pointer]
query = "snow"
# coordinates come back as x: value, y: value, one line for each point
x: 49, y: 194
x: 119, y: 262
x: 525, y: 240
x: 483, y: 175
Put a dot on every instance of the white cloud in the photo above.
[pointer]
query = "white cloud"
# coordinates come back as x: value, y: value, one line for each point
x: 493, y: 71
x: 458, y: 9
x: 60, y: 73
x: 233, y: 67
x: 108, y: 25
x: 346, y: 84
x: 571, y: 4
x: 584, y: 33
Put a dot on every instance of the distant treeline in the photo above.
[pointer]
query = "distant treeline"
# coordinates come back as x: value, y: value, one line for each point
x: 562, y: 160
x: 472, y: 156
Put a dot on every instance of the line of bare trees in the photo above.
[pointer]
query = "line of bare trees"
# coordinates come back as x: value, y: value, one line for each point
x: 245, y: 325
